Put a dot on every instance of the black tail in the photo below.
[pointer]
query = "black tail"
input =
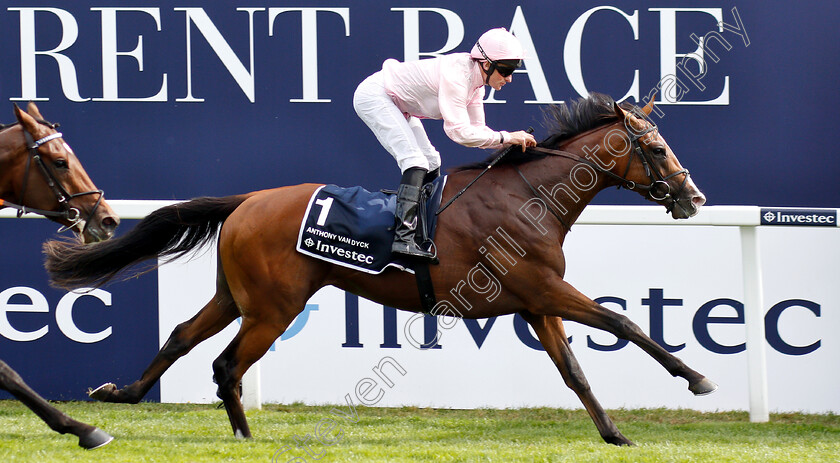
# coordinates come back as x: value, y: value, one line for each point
x: 170, y: 231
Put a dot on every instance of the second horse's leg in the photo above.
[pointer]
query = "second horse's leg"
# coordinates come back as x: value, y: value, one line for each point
x: 89, y: 436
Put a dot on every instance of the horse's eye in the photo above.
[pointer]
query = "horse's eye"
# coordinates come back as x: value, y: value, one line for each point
x: 659, y: 152
x: 60, y: 164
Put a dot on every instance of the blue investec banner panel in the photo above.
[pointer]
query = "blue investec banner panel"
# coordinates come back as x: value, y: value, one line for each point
x: 63, y: 343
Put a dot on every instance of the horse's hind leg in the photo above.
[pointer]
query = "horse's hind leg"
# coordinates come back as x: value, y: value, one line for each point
x: 215, y: 316
x: 250, y: 344
x: 553, y: 337
x: 89, y: 436
x: 572, y: 305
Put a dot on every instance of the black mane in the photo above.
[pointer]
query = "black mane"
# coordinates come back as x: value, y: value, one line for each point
x: 563, y: 122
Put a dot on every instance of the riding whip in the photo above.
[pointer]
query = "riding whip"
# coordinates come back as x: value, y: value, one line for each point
x: 489, y: 166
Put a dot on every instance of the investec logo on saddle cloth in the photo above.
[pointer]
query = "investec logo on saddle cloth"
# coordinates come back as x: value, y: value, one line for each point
x: 803, y: 217
x: 354, y: 227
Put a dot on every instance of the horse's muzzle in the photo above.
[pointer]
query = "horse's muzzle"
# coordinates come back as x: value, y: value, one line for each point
x: 101, y: 226
x: 688, y: 206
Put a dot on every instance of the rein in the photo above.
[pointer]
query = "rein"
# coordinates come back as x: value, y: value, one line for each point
x: 486, y: 169
x: 658, y: 189
x: 66, y: 212
x: 657, y: 180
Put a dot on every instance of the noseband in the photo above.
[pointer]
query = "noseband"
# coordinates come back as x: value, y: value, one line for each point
x: 657, y: 180
x: 66, y: 212
x: 658, y: 189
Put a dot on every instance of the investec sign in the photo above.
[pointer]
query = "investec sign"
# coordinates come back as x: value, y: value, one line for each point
x: 803, y: 217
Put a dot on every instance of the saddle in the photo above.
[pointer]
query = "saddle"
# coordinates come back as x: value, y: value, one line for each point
x: 354, y: 228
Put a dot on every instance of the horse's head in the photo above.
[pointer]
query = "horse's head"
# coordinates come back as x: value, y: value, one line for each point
x: 43, y: 175
x: 651, y: 167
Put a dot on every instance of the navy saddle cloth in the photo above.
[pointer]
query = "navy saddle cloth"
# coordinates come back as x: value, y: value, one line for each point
x: 354, y: 228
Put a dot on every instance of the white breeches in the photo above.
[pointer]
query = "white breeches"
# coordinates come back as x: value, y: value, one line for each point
x: 403, y: 137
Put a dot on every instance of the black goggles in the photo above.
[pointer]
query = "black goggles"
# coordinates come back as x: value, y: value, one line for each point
x: 505, y: 67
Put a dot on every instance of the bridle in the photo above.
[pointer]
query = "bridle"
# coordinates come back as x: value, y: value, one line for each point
x: 658, y: 189
x: 65, y: 211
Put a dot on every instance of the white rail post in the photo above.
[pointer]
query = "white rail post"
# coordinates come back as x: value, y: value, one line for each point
x: 754, y: 320
x: 251, y: 391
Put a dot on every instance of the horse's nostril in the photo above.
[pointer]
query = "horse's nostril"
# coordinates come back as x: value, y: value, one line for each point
x: 110, y: 223
x: 698, y: 201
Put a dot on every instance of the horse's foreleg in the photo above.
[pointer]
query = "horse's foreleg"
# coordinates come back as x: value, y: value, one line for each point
x: 553, y: 337
x: 215, y: 316
x: 572, y: 305
x: 89, y: 436
x: 250, y: 344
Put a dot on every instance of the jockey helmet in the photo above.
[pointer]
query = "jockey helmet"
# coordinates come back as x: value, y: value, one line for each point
x: 501, y: 49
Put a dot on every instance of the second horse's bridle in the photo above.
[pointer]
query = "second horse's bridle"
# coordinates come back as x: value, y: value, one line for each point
x: 65, y: 211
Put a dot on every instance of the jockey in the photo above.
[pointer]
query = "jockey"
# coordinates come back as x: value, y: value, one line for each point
x: 450, y: 87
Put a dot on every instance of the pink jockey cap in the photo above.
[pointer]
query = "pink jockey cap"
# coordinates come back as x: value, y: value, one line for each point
x: 498, y: 44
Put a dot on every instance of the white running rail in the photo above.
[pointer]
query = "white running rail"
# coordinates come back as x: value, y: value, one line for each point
x: 747, y: 218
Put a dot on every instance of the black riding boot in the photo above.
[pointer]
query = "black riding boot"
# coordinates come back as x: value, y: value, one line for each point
x: 407, y: 215
x: 431, y: 176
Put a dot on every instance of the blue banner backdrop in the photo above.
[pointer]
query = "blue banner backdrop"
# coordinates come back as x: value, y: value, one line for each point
x: 248, y: 95
x: 63, y: 343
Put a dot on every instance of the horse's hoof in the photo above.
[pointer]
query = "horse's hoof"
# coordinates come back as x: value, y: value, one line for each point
x: 619, y: 440
x: 103, y: 392
x: 95, y: 439
x: 703, y: 387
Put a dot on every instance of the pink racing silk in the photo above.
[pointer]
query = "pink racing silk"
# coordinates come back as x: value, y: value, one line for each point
x: 450, y: 87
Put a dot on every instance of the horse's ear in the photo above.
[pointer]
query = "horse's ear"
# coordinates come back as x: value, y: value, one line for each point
x: 18, y: 113
x: 25, y: 119
x: 33, y: 111
x: 649, y: 106
x: 618, y: 111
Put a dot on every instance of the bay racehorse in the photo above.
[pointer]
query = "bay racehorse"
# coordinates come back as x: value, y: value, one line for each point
x: 534, y: 197
x: 40, y: 174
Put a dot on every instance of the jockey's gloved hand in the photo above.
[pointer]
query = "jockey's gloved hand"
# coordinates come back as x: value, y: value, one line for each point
x: 521, y: 137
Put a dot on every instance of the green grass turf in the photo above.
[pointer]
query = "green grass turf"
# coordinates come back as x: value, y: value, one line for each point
x: 192, y: 433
